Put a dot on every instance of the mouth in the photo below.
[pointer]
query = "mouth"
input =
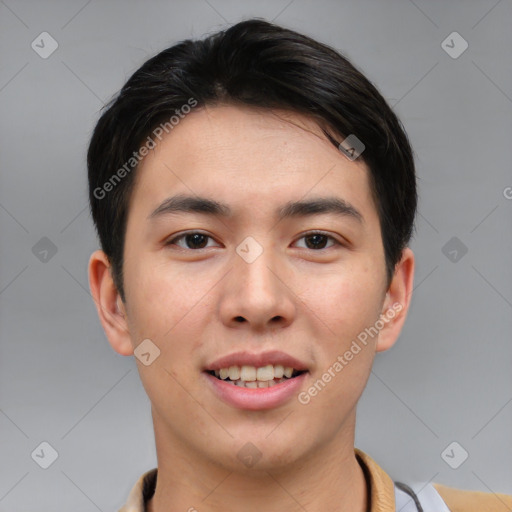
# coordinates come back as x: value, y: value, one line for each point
x: 253, y: 377
x: 250, y: 381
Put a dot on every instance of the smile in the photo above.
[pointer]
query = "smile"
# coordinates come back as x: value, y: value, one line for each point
x: 253, y: 377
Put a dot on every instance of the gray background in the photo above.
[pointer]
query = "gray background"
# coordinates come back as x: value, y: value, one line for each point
x: 449, y: 376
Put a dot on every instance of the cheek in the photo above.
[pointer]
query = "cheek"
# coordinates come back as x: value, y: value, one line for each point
x: 343, y: 310
x: 168, y: 306
x: 164, y: 308
x: 160, y: 296
x: 345, y: 305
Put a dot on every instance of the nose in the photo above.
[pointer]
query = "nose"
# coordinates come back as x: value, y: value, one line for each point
x: 259, y: 295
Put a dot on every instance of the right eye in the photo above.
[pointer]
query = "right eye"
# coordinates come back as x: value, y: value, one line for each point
x: 193, y: 240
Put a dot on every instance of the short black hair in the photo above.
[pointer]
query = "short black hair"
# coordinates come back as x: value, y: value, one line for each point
x: 260, y: 64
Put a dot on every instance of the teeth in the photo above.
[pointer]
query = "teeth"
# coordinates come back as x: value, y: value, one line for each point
x: 248, y: 373
x: 265, y: 373
x: 234, y: 372
x: 264, y: 376
x: 256, y: 384
x: 278, y: 371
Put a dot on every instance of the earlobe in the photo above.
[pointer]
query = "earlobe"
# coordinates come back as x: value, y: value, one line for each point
x: 108, y: 304
x: 396, y: 302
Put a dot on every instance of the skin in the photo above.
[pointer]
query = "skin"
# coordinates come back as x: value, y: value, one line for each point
x: 311, y: 303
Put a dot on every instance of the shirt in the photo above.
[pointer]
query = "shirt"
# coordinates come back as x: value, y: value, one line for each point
x: 383, y: 495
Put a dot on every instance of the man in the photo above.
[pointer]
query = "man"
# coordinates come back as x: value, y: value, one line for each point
x: 254, y: 196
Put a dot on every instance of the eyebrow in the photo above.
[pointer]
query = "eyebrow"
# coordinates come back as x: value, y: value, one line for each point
x: 195, y: 204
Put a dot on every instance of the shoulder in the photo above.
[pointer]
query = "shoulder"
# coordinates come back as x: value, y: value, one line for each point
x: 460, y: 500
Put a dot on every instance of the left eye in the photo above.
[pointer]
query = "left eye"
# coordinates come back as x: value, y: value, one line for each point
x: 197, y: 240
x: 318, y: 240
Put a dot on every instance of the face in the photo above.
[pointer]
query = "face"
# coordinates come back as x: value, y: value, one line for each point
x: 253, y: 276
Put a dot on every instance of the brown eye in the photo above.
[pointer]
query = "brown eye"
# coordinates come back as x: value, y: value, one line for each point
x: 193, y: 240
x: 316, y: 241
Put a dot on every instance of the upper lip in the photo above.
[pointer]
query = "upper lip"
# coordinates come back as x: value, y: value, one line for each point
x: 273, y: 357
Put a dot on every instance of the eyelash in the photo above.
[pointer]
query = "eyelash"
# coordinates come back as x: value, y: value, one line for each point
x: 305, y: 235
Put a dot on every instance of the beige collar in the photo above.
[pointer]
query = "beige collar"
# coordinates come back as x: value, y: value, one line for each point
x: 381, y: 487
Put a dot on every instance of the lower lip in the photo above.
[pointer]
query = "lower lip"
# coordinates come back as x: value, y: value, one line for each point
x: 255, y: 399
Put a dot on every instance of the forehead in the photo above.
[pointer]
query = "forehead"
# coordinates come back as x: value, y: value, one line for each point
x: 224, y: 130
x: 245, y: 154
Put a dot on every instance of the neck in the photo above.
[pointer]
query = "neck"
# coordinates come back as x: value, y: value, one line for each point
x: 328, y: 479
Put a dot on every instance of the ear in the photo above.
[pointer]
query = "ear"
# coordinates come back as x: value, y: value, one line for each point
x: 396, y: 301
x: 111, y: 310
